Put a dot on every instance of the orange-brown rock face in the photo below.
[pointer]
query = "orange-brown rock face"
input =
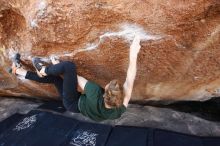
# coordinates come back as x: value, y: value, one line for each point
x: 179, y: 58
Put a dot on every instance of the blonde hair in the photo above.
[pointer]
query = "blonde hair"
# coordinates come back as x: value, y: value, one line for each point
x: 114, y: 94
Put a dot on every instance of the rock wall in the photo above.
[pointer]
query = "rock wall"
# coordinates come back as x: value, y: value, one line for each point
x: 179, y: 58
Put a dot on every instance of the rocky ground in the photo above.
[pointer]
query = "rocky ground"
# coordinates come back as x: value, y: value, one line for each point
x: 136, y: 115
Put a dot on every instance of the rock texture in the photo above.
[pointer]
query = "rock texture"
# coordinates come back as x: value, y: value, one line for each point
x: 179, y: 58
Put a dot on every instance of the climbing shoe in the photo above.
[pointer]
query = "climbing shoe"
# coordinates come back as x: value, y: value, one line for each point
x: 16, y: 59
x: 38, y: 63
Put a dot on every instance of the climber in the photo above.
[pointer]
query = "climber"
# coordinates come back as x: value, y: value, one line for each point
x: 95, y: 102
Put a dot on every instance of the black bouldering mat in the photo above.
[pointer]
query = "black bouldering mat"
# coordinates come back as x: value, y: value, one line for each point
x: 56, y: 106
x: 15, y: 133
x: 44, y: 128
x: 89, y: 134
x: 7, y: 123
x: 53, y: 130
x: 39, y: 128
x: 128, y: 136
x: 168, y: 138
x: 211, y: 141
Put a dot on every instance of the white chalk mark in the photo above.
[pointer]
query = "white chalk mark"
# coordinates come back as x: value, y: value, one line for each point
x: 41, y: 10
x: 88, y: 48
x: 42, y: 5
x: 34, y: 23
x: 25, y: 123
x: 127, y: 32
x: 84, y: 138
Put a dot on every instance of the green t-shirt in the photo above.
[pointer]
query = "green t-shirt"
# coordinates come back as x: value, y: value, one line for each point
x: 91, y: 104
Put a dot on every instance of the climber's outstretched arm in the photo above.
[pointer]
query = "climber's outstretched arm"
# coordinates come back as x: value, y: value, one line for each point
x: 132, y: 69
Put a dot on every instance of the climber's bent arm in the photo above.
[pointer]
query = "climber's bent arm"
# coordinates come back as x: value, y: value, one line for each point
x: 131, y: 72
x: 81, y: 82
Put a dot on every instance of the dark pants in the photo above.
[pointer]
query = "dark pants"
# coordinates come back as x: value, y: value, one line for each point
x: 66, y: 86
